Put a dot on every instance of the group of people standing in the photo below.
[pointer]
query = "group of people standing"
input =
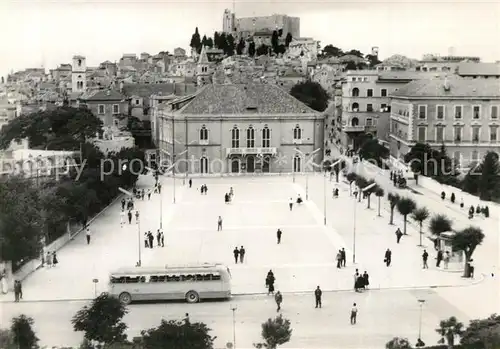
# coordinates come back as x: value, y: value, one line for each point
x: 341, y: 258
x: 149, y: 239
x: 239, y: 254
x: 361, y: 281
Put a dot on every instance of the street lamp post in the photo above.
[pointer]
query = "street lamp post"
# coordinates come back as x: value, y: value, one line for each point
x: 360, y: 191
x: 324, y: 191
x: 420, y: 343
x: 233, y: 308
x: 129, y: 194
x: 307, y: 156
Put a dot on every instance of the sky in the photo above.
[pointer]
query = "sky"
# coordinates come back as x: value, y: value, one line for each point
x: 46, y: 33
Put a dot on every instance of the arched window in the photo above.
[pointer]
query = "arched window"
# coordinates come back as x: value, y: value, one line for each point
x: 235, y: 137
x: 250, y: 137
x: 354, y: 122
x: 204, y: 164
x: 297, y: 133
x: 266, y: 137
x: 79, y: 62
x: 297, y: 162
x: 355, y: 107
x: 355, y: 92
x: 203, y: 134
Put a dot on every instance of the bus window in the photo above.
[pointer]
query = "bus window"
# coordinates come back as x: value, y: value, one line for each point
x: 199, y: 277
x: 142, y: 279
x: 215, y: 276
x: 207, y: 277
x: 117, y: 280
x: 162, y: 278
x: 153, y: 278
x: 132, y: 280
x: 173, y: 278
x: 187, y: 277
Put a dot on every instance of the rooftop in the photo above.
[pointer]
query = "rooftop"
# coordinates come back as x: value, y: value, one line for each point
x: 146, y: 90
x: 485, y: 69
x: 244, y: 99
x: 103, y: 95
x: 454, y: 88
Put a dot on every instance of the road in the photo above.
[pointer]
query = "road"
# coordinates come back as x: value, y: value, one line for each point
x: 382, y: 315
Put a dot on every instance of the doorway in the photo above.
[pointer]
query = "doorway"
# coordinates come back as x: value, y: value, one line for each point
x: 235, y: 166
x: 250, y: 164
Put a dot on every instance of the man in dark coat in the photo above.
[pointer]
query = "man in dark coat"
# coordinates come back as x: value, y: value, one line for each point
x: 388, y: 257
x: 278, y: 236
x: 317, y: 295
x: 236, y: 254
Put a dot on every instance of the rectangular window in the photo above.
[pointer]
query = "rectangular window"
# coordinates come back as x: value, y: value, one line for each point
x: 458, y: 133
x: 250, y: 137
x: 369, y: 92
x: 369, y: 122
x: 383, y: 106
x: 493, y: 134
x: 136, y: 101
x: 440, y: 112
x: 235, y: 137
x: 266, y: 137
x: 439, y: 134
x: 116, y: 108
x: 494, y: 112
x: 100, y: 109
x: 422, y: 134
x: 383, y: 92
x: 369, y: 107
x: 476, y: 112
x: 475, y: 134
x: 422, y: 112
x: 458, y: 112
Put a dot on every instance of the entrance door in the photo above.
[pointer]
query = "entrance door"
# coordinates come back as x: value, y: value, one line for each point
x: 203, y: 165
x: 250, y: 164
x: 297, y: 162
x: 235, y: 166
x: 266, y: 161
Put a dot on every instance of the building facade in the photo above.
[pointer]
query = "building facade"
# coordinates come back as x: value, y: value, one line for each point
x: 461, y: 114
x: 232, y: 24
x: 109, y: 105
x: 79, y: 75
x: 239, y: 129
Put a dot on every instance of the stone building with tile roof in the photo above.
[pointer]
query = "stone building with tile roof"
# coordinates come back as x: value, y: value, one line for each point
x: 239, y: 128
x: 109, y: 105
x: 462, y: 114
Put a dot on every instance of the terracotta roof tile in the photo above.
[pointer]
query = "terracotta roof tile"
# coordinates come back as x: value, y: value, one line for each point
x: 435, y: 88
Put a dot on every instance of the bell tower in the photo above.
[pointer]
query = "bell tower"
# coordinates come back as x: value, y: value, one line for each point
x: 78, y: 77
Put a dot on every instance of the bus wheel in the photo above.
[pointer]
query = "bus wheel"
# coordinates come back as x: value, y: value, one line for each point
x: 192, y: 297
x: 125, y: 298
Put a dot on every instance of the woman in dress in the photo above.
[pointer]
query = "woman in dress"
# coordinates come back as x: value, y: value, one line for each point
x: 54, y: 259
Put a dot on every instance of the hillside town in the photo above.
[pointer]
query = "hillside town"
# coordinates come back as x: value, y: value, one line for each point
x: 272, y: 133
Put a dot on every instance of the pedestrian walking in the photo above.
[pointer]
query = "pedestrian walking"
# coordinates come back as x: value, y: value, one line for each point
x: 446, y: 259
x: 149, y: 194
x: 290, y: 203
x: 270, y: 279
x: 339, y: 259
x: 142, y: 194
x: 236, y: 254
x: 87, y: 234
x: 159, y: 188
x: 399, y: 234
x: 162, y: 238
x: 123, y: 204
x: 242, y: 254
x: 366, y: 280
x: 129, y: 214
x: 219, y: 224
x: 354, y: 314
x: 150, y: 239
x: 137, y: 216
x: 146, y: 240
x: 278, y: 236
x: 158, y: 238
x: 279, y: 299
x: 388, y: 257
x: 356, y: 282
x: 18, y: 291
x: 54, y: 259
x: 425, y: 256
x: 190, y: 182
x: 317, y: 295
x: 231, y: 193
x: 439, y: 258
x: 343, y: 256
x: 49, y: 260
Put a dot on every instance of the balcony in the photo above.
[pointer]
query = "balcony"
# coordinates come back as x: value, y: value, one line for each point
x: 250, y: 151
x: 350, y: 128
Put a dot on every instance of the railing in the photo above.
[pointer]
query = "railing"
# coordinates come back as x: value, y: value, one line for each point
x: 250, y: 151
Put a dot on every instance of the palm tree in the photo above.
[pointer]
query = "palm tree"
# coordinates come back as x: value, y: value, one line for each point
x: 351, y: 177
x: 467, y: 240
x: 379, y: 192
x: 393, y: 199
x: 439, y: 224
x: 420, y: 215
x: 405, y: 207
x: 449, y: 329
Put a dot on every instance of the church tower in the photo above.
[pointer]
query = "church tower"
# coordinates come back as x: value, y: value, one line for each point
x: 78, y: 77
x: 203, y: 73
x: 228, y: 22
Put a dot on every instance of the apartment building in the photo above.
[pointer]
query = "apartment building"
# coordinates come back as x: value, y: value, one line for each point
x: 462, y: 114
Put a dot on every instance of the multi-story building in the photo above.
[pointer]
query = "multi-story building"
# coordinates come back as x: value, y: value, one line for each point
x: 233, y: 25
x: 479, y: 70
x: 366, y: 103
x: 239, y: 128
x: 108, y: 105
x: 462, y: 114
x: 435, y: 63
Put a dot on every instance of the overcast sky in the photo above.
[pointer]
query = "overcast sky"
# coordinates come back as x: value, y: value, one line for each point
x: 51, y: 32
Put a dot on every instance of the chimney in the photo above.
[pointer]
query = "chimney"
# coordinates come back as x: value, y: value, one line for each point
x: 446, y: 84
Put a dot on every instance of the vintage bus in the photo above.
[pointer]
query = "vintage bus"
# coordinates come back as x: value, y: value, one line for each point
x: 189, y: 282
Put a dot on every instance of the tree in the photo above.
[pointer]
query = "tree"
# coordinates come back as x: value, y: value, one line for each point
x: 450, y: 329
x: 467, y: 240
x: 483, y: 333
x: 275, y: 332
x: 406, y: 206
x: 288, y: 39
x: 22, y: 332
x: 439, y: 224
x: 251, y: 49
x: 398, y: 343
x: 489, y: 181
x: 354, y: 52
x: 373, y: 60
x: 216, y: 39
x: 393, y: 201
x: 420, y: 215
x: 64, y: 128
x: 262, y: 50
x: 351, y: 177
x: 196, y: 41
x: 332, y: 51
x: 210, y: 42
x: 430, y: 162
x: 374, y: 152
x: 379, y: 192
x: 369, y: 192
x: 223, y: 42
x: 361, y: 182
x: 230, y: 45
x: 102, y: 321
x: 178, y: 335
x: 204, y: 41
x: 312, y: 94
x: 240, y: 47
x: 275, y: 41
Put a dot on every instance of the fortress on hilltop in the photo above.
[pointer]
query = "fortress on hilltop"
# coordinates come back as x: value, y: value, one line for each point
x: 248, y: 26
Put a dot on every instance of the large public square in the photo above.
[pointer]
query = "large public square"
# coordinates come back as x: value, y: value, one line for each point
x: 304, y: 259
